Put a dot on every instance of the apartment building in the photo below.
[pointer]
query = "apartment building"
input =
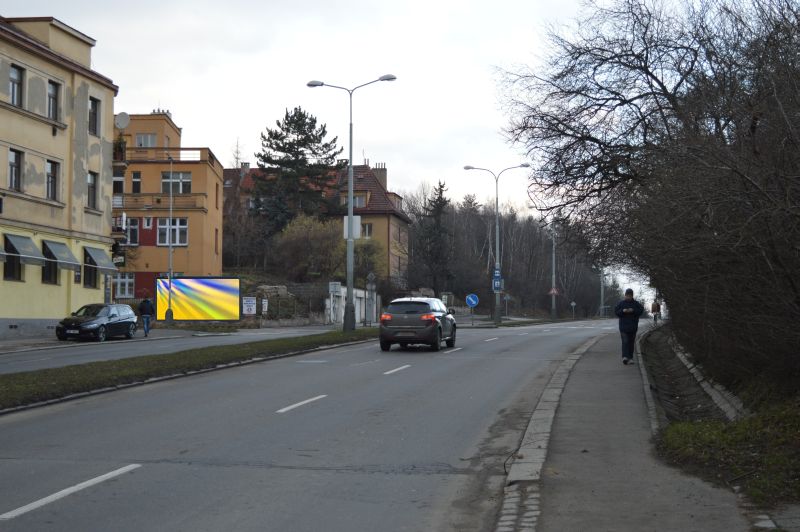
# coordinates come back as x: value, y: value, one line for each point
x: 56, y: 133
x: 164, y: 196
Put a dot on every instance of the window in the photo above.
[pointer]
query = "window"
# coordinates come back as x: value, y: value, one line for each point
x: 366, y: 231
x: 216, y: 198
x: 94, y: 116
x: 50, y: 268
x: 15, y: 85
x: 119, y: 184
x: 133, y: 231
x: 180, y: 231
x: 52, y: 168
x: 12, y: 268
x: 91, y: 190
x: 181, y: 182
x: 89, y: 271
x: 15, y: 170
x: 358, y: 201
x: 137, y: 183
x: 216, y: 241
x: 123, y: 283
x: 53, y: 90
x: 145, y: 140
x: 148, y: 222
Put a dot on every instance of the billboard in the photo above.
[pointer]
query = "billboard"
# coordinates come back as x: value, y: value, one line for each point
x: 199, y: 298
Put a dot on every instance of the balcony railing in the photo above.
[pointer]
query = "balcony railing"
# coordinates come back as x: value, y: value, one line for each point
x: 160, y: 201
x: 161, y: 155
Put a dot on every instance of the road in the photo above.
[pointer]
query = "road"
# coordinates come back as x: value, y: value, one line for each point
x: 338, y: 440
x: 59, y: 354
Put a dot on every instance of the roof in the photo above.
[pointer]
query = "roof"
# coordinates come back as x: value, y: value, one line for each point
x: 365, y: 180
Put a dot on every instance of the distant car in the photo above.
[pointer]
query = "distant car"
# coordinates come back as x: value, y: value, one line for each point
x: 98, y: 321
x: 417, y: 320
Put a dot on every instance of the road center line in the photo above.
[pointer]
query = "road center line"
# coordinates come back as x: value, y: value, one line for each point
x: 523, y: 334
x: 301, y: 403
x: 453, y: 350
x: 69, y: 491
x: 395, y: 370
x: 491, y: 339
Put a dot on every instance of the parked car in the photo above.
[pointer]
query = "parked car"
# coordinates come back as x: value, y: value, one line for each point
x: 417, y: 320
x: 98, y: 321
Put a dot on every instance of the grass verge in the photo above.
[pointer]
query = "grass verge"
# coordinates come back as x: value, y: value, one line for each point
x: 18, y: 389
x: 760, y: 453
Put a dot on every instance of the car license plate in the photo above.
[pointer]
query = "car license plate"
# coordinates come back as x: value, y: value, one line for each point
x: 405, y: 333
x: 72, y: 331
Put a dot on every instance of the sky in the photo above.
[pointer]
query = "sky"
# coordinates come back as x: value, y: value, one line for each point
x: 228, y: 70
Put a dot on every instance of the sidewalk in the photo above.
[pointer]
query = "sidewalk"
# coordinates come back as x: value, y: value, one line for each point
x: 27, y: 343
x: 599, y: 470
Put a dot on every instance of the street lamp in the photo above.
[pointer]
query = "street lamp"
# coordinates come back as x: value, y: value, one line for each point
x: 553, y: 311
x: 349, y: 306
x: 168, y: 314
x: 497, y: 228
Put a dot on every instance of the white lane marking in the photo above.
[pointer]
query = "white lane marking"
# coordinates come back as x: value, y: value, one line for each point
x: 395, y: 370
x: 367, y: 362
x: 311, y: 361
x: 523, y: 334
x: 453, y: 350
x: 547, y: 330
x: 69, y: 491
x: 491, y: 339
x: 301, y: 403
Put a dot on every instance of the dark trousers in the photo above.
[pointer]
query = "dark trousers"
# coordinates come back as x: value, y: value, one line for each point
x: 146, y: 323
x: 628, y: 344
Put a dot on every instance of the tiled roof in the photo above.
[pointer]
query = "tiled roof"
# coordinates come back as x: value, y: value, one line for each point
x: 364, y: 180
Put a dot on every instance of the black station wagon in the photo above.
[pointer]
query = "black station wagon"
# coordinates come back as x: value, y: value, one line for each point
x: 417, y: 320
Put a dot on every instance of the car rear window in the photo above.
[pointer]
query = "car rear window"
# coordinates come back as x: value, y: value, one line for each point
x: 408, y: 307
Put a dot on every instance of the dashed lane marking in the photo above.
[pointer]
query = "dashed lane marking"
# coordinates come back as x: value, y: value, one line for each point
x: 301, y: 403
x: 395, y: 370
x: 453, y: 350
x: 491, y: 339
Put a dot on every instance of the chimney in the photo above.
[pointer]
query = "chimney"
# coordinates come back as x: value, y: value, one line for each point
x: 380, y: 174
x: 245, y: 166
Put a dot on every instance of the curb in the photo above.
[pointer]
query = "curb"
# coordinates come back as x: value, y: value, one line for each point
x: 652, y: 409
x: 42, y: 347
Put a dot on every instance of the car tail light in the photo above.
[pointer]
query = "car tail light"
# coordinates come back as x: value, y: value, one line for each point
x: 386, y: 317
x: 428, y: 317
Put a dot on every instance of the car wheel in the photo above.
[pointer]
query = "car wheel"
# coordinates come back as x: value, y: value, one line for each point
x: 61, y: 337
x: 385, y: 346
x: 451, y: 342
x: 437, y: 342
x: 132, y: 331
x: 101, y: 334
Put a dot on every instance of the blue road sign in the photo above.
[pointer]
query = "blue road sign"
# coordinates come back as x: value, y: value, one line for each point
x: 472, y: 300
x: 496, y: 283
x: 497, y: 273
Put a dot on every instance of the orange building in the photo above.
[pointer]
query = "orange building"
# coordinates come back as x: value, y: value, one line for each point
x: 148, y: 157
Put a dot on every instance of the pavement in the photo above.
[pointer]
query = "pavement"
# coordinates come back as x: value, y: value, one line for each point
x: 29, y: 343
x: 587, y: 461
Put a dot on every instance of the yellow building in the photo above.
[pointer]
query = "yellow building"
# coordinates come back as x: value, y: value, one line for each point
x: 148, y: 156
x: 56, y: 132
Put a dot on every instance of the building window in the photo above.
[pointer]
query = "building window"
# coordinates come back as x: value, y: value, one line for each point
x: 15, y: 85
x: 216, y: 241
x: 180, y: 232
x: 145, y: 140
x: 94, y: 116
x: 91, y: 190
x: 216, y: 197
x: 89, y: 271
x: 52, y: 169
x: 50, y: 268
x: 12, y: 267
x: 133, y: 231
x: 137, y: 183
x: 53, y: 90
x: 118, y: 184
x: 359, y: 201
x: 181, y: 182
x: 148, y: 222
x: 15, y: 170
x: 123, y: 283
x: 366, y: 231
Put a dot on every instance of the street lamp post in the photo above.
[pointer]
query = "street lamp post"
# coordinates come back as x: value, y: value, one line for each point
x: 168, y: 313
x: 497, y: 228
x: 553, y: 311
x: 349, y: 306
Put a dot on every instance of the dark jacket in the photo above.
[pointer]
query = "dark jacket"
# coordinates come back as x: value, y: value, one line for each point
x: 629, y: 321
x: 146, y: 308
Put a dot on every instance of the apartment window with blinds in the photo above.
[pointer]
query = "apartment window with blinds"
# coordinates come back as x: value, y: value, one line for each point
x: 52, y: 168
x: 53, y: 90
x: 15, y: 79
x: 91, y: 190
x: 94, y: 116
x: 15, y: 170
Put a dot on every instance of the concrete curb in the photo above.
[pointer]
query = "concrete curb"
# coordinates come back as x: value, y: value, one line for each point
x: 530, y: 457
x: 41, y: 347
x: 652, y: 409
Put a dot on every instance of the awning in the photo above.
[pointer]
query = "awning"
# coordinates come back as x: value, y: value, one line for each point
x: 26, y: 249
x: 98, y: 258
x: 64, y: 257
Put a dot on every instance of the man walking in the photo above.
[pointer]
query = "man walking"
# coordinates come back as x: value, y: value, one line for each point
x: 146, y: 311
x: 628, y: 311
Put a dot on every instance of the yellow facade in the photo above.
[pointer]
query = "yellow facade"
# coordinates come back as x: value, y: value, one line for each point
x: 37, y: 133
x: 142, y: 194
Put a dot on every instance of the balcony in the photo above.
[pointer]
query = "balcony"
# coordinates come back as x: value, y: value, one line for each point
x: 162, y: 155
x: 160, y: 201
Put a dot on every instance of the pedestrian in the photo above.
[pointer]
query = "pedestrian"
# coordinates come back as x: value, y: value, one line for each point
x: 655, y: 310
x: 146, y: 311
x: 629, y: 311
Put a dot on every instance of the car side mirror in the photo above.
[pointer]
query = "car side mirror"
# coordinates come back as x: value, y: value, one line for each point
x: 71, y: 313
x: 113, y: 315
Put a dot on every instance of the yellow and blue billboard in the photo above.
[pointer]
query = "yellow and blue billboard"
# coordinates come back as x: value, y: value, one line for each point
x: 198, y: 298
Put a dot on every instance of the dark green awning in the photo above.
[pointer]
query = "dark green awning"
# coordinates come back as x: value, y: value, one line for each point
x: 26, y: 249
x: 99, y: 259
x: 63, y: 256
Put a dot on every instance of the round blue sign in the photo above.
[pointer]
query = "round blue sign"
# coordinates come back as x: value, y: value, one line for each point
x: 472, y: 300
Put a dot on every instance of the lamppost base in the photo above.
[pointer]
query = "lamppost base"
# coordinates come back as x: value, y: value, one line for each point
x: 349, y: 317
x: 168, y: 316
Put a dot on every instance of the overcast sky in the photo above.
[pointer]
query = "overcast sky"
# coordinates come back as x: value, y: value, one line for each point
x: 228, y: 70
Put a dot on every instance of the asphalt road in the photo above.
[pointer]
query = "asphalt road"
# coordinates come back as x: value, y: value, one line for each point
x: 339, y: 440
x: 58, y: 354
